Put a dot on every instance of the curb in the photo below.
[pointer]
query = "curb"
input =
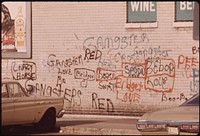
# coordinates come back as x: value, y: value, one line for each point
x: 98, y: 116
x: 97, y: 131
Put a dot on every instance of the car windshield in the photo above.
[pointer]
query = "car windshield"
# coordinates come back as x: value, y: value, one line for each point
x: 193, y: 101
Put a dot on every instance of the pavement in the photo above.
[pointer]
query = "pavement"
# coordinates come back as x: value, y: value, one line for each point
x: 98, y: 125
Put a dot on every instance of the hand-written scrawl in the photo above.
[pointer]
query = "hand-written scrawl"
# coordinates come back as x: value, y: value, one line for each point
x: 85, y: 74
x: 23, y: 70
x: 116, y: 42
x: 160, y: 75
x: 105, y: 75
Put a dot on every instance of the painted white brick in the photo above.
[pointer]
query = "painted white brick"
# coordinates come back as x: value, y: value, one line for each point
x: 59, y: 33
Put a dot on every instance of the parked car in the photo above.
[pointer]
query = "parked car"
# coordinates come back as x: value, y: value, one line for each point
x: 183, y: 119
x: 19, y: 108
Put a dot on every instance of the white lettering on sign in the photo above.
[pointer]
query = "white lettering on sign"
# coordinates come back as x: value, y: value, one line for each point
x: 186, y: 5
x: 143, y: 6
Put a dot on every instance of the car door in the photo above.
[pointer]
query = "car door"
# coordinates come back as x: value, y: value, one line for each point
x: 7, y: 106
x: 24, y: 105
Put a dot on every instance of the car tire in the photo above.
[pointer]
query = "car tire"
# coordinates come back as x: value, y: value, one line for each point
x: 48, y: 121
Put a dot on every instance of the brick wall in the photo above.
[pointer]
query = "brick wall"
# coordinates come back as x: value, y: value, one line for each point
x: 83, y: 52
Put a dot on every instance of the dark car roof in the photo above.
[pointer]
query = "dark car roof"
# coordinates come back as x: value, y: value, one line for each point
x: 194, y: 100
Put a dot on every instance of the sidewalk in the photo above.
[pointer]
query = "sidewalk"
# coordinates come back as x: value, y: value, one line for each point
x: 98, y: 125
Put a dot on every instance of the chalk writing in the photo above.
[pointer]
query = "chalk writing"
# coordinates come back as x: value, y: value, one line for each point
x: 106, y: 64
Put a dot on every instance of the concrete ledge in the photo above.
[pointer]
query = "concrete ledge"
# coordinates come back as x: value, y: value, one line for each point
x: 97, y: 131
x: 98, y: 116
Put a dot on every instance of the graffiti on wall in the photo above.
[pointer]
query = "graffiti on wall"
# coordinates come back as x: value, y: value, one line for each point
x: 187, y: 63
x: 124, y: 75
x: 139, y: 54
x: 195, y: 50
x: 23, y: 70
x: 114, y: 43
x: 102, y: 104
x: 166, y: 98
x: 160, y: 75
x: 84, y: 74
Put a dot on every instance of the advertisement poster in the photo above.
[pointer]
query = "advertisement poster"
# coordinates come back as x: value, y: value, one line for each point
x: 15, y: 29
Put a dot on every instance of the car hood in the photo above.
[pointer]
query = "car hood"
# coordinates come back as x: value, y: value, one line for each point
x: 181, y: 113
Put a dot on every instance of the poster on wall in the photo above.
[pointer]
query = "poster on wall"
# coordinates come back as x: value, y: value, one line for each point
x: 16, y: 30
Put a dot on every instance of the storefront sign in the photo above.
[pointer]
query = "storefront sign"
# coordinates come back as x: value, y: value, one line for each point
x: 141, y: 11
x: 184, y: 11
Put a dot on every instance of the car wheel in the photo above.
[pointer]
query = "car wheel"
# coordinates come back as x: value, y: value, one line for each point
x: 48, y: 121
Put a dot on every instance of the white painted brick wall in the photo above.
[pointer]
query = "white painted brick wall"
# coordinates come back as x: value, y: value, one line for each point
x: 62, y: 28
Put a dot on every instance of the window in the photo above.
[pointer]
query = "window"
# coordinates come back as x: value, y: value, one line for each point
x: 15, y: 90
x: 141, y: 14
x: 4, y: 91
x: 183, y: 14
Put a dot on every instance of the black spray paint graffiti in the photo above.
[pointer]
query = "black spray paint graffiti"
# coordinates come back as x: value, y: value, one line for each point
x: 105, y: 75
x: 54, y: 62
x: 133, y: 70
x: 195, y: 50
x: 194, y: 84
x: 102, y: 103
x: 23, y: 70
x: 85, y: 74
x: 73, y: 96
x: 63, y: 66
x: 116, y: 42
x: 92, y: 54
x: 173, y: 99
x: 107, y: 85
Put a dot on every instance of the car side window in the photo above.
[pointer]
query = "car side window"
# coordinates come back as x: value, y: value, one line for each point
x: 15, y: 90
x: 4, y: 91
